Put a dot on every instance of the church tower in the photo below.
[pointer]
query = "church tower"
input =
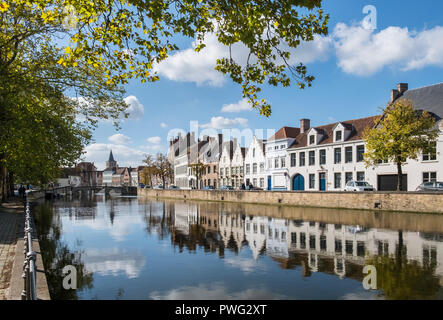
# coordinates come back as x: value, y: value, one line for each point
x: 111, y: 163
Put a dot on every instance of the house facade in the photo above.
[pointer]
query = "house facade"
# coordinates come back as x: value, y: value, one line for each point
x: 231, y: 164
x: 277, y: 173
x: 210, y: 157
x: 255, y: 164
x: 325, y: 158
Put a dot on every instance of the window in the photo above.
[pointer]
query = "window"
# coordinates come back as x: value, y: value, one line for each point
x: 360, y: 151
x: 312, y: 242
x: 338, y: 246
x: 302, y: 159
x: 323, y: 156
x: 253, y: 153
x: 431, y: 153
x: 254, y: 168
x: 337, y: 155
x: 338, y: 135
x: 254, y: 182
x: 214, y: 169
x: 283, y: 162
x: 360, y: 176
x: 221, y: 171
x: 227, y: 171
x: 302, y: 240
x: 262, y: 167
x: 209, y: 169
x: 276, y: 148
x: 269, y: 163
x: 276, y: 163
x: 294, y: 238
x: 348, y: 154
x: 311, y: 139
x: 311, y: 181
x: 323, y: 243
x: 311, y: 158
x: 293, y: 159
x: 348, y: 177
x: 429, y: 176
x: 262, y: 182
x: 349, y: 247
x: 248, y: 168
x: 337, y: 180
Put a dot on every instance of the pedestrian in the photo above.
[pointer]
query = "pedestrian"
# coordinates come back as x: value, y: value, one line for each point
x: 243, y: 186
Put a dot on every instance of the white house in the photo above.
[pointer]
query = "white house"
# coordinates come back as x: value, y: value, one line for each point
x: 255, y: 162
x: 325, y: 158
x: 277, y: 172
x: 231, y: 165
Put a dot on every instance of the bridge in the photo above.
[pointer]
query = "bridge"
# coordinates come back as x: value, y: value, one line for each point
x: 91, y: 190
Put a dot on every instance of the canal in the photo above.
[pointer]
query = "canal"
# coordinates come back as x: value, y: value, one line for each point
x: 129, y: 248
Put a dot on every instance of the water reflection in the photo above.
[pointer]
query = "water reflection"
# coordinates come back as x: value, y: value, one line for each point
x: 133, y: 249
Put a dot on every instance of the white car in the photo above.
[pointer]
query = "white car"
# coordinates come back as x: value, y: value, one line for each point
x: 359, y: 186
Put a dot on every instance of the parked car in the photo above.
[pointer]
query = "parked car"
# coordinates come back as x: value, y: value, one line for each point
x: 159, y: 187
x: 173, y: 187
x: 226, y: 188
x: 253, y: 188
x: 430, y: 186
x: 147, y: 187
x: 209, y: 188
x: 359, y: 186
x: 141, y: 185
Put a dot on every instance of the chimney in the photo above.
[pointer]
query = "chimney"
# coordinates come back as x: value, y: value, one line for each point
x: 305, y: 124
x: 402, y: 87
x: 394, y: 95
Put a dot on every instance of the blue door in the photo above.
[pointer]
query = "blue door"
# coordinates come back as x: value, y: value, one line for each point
x: 298, y: 183
x: 269, y: 183
x: 322, y: 182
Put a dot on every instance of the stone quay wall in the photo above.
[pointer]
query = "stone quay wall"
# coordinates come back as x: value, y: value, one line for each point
x: 383, y: 201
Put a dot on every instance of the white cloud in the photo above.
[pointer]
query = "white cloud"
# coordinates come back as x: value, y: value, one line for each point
x: 216, y: 291
x: 242, y: 105
x: 154, y: 140
x: 125, y: 156
x: 163, y: 125
x: 225, y: 123
x: 119, y: 139
x: 199, y: 67
x: 364, y: 52
x: 135, y: 109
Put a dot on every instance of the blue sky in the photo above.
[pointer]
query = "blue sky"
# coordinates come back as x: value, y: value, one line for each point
x: 355, y: 69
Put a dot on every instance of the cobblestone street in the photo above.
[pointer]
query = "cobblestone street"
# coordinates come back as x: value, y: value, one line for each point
x: 10, y: 218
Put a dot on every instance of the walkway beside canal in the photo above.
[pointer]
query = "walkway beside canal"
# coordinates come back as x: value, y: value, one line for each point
x: 11, y: 215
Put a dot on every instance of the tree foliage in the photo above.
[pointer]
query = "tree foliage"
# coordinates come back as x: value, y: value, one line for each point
x: 401, y: 133
x: 128, y: 38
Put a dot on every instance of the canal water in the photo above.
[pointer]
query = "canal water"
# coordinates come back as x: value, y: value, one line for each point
x: 130, y: 248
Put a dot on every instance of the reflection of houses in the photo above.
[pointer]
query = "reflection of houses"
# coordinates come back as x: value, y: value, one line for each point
x: 255, y: 233
x: 353, y: 244
x: 232, y: 230
x: 185, y: 216
x: 209, y: 156
x: 277, y: 237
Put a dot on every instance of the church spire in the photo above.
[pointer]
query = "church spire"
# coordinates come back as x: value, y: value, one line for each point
x: 111, y: 157
x: 111, y: 163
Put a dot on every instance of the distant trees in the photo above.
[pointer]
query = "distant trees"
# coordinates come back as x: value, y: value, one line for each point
x: 157, y: 169
x: 401, y: 133
x: 198, y: 169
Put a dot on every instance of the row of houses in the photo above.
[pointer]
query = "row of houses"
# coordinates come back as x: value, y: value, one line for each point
x: 322, y: 158
x: 87, y: 174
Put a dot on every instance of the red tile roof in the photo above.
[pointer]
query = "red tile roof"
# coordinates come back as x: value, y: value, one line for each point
x: 357, y: 126
x: 285, y: 132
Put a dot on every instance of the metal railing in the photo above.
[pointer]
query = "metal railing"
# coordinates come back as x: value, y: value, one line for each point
x: 29, y: 266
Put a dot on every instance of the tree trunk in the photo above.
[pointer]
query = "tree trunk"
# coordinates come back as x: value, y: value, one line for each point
x: 399, y: 177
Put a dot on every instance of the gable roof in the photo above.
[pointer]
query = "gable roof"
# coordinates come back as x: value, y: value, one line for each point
x: 285, y: 133
x: 358, y: 126
x: 428, y: 98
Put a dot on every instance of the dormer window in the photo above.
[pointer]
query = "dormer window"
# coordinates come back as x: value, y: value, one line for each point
x: 312, y: 139
x: 338, y: 135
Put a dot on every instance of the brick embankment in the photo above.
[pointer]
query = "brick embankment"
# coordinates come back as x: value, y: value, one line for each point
x: 10, y: 216
x: 12, y: 257
x: 380, y: 201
